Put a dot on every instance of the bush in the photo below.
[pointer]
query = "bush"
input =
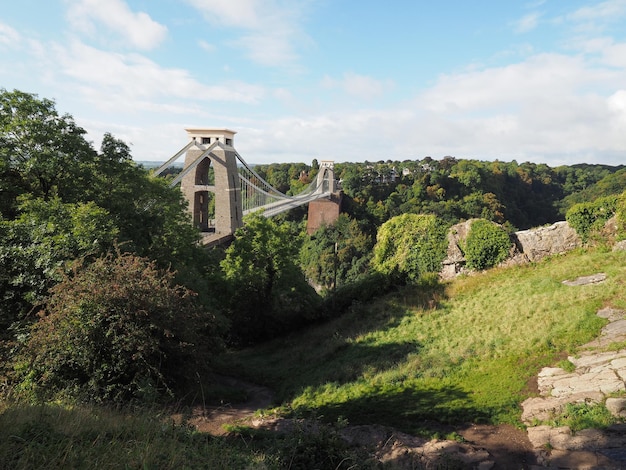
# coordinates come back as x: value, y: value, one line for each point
x: 115, y: 331
x: 487, y: 244
x: 588, y: 218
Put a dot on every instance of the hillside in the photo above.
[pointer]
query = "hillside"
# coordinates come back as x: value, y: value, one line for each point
x: 463, y: 351
x: 425, y: 360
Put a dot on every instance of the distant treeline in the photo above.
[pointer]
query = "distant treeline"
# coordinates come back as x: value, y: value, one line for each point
x: 521, y: 195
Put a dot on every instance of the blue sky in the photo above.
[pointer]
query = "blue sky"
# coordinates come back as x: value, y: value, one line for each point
x: 349, y: 80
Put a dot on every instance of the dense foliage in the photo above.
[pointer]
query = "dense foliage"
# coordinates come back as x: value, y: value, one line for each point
x: 61, y: 203
x: 336, y: 254
x: 410, y: 245
x: 518, y: 195
x: 35, y: 249
x: 268, y: 293
x: 117, y: 329
x: 588, y: 218
x: 620, y: 215
x: 486, y: 245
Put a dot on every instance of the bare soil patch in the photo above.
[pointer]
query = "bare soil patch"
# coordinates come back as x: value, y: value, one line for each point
x: 508, y: 446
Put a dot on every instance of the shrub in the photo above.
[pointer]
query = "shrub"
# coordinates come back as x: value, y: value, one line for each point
x: 116, y: 330
x: 588, y: 218
x: 486, y: 245
x: 579, y: 416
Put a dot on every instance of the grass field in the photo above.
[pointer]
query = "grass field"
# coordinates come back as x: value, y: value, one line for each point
x: 465, y: 352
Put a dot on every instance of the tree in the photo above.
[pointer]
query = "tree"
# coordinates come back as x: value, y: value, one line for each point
x: 41, y: 153
x: 36, y: 248
x: 336, y: 254
x: 117, y: 330
x: 588, y: 218
x: 410, y: 245
x: 268, y: 293
x: 44, y: 157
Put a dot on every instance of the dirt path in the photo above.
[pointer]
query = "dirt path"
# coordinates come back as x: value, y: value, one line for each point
x: 213, y: 419
x: 509, y: 447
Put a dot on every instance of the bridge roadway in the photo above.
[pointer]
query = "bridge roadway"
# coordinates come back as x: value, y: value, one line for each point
x: 275, y: 208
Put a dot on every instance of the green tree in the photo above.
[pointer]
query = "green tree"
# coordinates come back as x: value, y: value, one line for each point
x: 44, y: 156
x: 268, y: 293
x: 588, y: 218
x: 117, y: 330
x: 41, y: 152
x: 36, y: 248
x: 336, y: 254
x: 410, y: 245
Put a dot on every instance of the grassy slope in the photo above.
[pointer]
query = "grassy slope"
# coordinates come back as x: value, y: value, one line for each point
x: 414, y: 357
x: 405, y: 362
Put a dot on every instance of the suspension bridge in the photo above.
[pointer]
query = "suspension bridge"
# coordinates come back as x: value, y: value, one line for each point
x: 221, y: 188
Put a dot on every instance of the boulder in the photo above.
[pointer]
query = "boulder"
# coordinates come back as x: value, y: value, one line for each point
x: 537, y: 243
x: 617, y: 407
x: 620, y: 246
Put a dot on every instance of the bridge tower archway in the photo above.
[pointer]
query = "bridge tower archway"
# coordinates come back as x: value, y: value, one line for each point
x: 326, y: 177
x: 211, y: 182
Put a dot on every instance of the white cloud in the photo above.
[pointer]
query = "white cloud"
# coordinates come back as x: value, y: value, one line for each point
x: 357, y: 85
x: 609, y: 10
x: 131, y: 81
x: 516, y: 85
x: 617, y: 102
x: 246, y: 14
x: 270, y: 29
x: 550, y: 108
x: 597, y: 18
x: 135, y: 27
x: 206, y: 46
x: 8, y: 35
x: 527, y: 23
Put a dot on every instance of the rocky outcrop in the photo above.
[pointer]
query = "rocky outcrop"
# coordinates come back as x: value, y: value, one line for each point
x: 454, y: 264
x: 527, y: 245
x: 537, y: 243
x: 598, y: 375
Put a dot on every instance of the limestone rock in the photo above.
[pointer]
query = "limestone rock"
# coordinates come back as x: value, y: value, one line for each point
x: 545, y: 408
x: 617, y: 406
x: 605, y: 381
x: 585, y: 280
x: 620, y: 245
x: 527, y: 245
x: 537, y: 243
x: 611, y: 314
x: 454, y: 263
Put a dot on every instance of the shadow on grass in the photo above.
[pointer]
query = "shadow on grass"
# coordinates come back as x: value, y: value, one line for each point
x: 408, y: 409
x: 348, y: 362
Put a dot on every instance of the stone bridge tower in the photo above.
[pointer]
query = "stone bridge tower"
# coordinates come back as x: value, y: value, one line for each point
x: 218, y: 188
